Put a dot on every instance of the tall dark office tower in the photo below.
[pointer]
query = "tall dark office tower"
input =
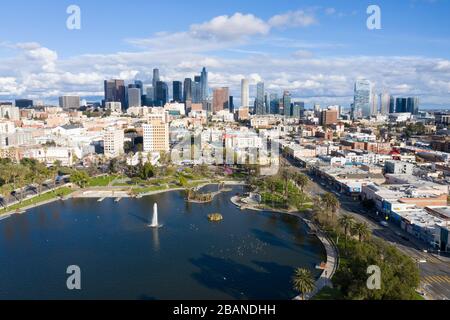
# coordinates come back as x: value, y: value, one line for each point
x: 162, y: 94
x: 274, y: 104
x: 298, y: 109
x: 155, y: 80
x: 204, y: 85
x: 401, y: 105
x: 140, y: 85
x: 259, y: 103
x: 177, y: 91
x: 287, y: 104
x: 412, y: 105
x: 231, y: 102
x: 197, y: 90
x: 391, y: 104
x: 115, y: 91
x: 187, y: 92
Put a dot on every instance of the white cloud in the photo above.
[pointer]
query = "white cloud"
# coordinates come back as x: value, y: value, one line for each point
x: 232, y: 27
x: 291, y: 19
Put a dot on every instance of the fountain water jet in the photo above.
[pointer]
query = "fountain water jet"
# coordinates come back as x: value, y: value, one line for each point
x: 155, y: 223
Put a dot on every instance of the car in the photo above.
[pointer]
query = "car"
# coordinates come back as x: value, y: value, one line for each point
x: 384, y: 224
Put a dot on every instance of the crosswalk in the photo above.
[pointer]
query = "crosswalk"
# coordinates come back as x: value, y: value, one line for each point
x: 437, y: 279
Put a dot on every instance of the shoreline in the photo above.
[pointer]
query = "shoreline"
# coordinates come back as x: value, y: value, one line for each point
x: 331, y: 250
x: 104, y: 193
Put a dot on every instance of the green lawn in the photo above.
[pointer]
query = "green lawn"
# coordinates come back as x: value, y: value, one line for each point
x: 61, y: 192
x: 101, y: 181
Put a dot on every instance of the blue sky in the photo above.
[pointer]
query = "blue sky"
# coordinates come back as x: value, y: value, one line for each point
x: 316, y: 49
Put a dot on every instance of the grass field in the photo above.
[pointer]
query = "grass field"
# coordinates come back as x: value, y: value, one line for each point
x: 61, y: 192
x: 101, y: 181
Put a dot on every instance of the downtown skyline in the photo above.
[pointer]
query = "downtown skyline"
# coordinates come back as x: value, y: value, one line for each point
x: 298, y: 47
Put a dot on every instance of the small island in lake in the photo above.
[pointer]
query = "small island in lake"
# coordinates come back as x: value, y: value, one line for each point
x: 215, y: 217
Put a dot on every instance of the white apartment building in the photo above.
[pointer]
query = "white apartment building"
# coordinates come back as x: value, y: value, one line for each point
x: 7, y: 127
x: 114, y: 107
x: 9, y: 112
x: 50, y: 155
x: 156, y: 136
x: 113, y: 142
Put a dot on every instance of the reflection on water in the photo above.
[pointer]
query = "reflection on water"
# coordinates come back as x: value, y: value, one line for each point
x: 248, y: 255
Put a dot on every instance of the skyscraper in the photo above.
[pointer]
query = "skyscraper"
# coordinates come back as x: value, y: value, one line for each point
x: 274, y: 104
x: 362, y: 99
x: 162, y: 94
x: 221, y: 98
x: 155, y: 80
x: 140, y: 85
x: 374, y: 104
x: 197, y: 90
x: 412, y: 105
x: 392, y: 107
x: 231, y: 106
x: 245, y: 93
x: 401, y: 105
x: 204, y: 85
x: 69, y: 102
x: 134, y: 97
x: 385, y: 101
x: 187, y: 90
x: 287, y: 108
x: 115, y: 91
x: 260, y: 108
x: 177, y: 91
x: 298, y: 109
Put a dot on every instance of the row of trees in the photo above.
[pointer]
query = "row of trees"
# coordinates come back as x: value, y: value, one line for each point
x: 399, y: 273
x: 18, y: 175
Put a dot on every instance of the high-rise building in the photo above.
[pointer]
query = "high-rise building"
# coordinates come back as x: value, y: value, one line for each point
x: 24, y: 103
x: 150, y: 96
x: 231, y: 107
x: 298, y: 109
x: 274, y: 104
x: 197, y: 90
x: 187, y: 90
x: 113, y: 142
x: 140, y: 85
x: 259, y: 103
x: 155, y: 81
x: 328, y: 117
x: 362, y: 99
x: 245, y: 93
x: 401, y: 105
x: 177, y: 91
x: 156, y: 136
x: 204, y: 85
x: 374, y: 104
x: 221, y: 98
x: 115, y: 91
x: 392, y: 106
x: 134, y: 97
x: 162, y: 94
x: 69, y: 102
x: 287, y: 108
x: 385, y: 101
x: 412, y: 105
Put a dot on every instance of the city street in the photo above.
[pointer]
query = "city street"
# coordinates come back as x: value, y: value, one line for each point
x: 434, y: 269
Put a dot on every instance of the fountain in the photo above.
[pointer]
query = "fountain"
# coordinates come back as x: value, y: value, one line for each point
x: 155, y: 223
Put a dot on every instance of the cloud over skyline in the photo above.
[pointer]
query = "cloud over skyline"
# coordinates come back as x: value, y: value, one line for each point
x: 231, y: 46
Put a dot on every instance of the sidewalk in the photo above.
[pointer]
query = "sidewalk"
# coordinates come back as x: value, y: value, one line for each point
x: 331, y: 264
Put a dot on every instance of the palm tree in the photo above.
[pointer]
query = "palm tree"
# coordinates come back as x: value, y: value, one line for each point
x: 302, y: 181
x: 346, y: 222
x: 286, y: 175
x: 303, y: 282
x: 331, y: 202
x: 362, y: 230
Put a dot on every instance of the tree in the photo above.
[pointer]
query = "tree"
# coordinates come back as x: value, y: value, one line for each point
x: 147, y: 171
x: 80, y: 178
x: 362, y: 230
x: 286, y: 176
x: 331, y: 202
x: 303, y: 282
x: 346, y: 222
x: 302, y: 181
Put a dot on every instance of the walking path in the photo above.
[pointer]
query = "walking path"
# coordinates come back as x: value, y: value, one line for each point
x: 332, y: 253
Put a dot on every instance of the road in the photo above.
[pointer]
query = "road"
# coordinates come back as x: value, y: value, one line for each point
x: 434, y: 269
